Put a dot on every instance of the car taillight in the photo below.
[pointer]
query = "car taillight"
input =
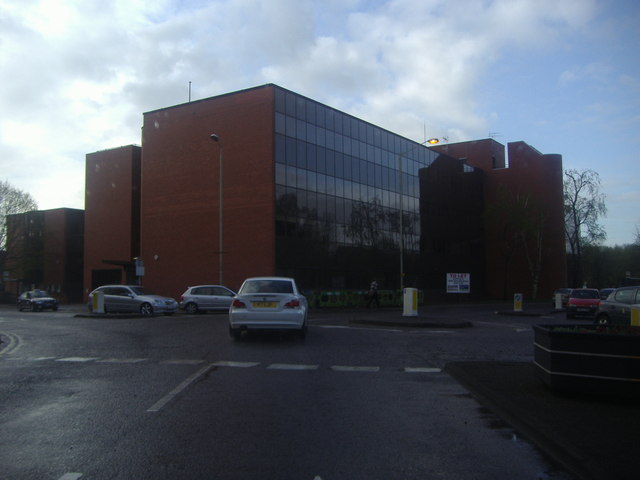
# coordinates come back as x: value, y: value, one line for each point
x: 292, y: 304
x: 238, y: 304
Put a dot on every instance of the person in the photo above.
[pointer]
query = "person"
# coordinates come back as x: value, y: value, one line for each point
x: 373, y: 294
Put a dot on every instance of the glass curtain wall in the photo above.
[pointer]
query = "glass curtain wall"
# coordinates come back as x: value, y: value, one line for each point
x: 341, y: 184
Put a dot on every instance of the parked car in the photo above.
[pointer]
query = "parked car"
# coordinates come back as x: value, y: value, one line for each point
x: 605, y: 292
x: 616, y: 308
x: 583, y: 301
x: 201, y: 298
x: 133, y: 298
x: 564, y: 293
x: 36, y: 301
x: 268, y: 303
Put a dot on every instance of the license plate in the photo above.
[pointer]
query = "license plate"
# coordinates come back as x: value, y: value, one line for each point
x: 264, y: 304
x: 583, y: 309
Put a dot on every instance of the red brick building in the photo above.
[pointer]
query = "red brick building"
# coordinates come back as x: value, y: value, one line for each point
x: 45, y: 250
x: 536, y: 180
x: 308, y: 191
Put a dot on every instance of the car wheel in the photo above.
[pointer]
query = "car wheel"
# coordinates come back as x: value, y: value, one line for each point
x: 146, y: 310
x: 569, y: 316
x: 191, y: 308
x: 602, y: 320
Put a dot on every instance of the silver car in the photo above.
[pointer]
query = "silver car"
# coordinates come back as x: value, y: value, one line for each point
x: 201, y: 298
x: 268, y: 303
x: 133, y: 299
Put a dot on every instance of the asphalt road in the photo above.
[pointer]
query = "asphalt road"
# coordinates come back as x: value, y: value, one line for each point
x: 175, y: 397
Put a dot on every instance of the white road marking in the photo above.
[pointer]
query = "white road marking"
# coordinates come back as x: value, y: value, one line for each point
x: 15, y: 342
x: 122, y: 360
x: 291, y: 366
x: 185, y: 361
x: 349, y: 368
x: 77, y: 359
x: 172, y: 394
x: 422, y: 370
x: 70, y: 476
x: 236, y: 364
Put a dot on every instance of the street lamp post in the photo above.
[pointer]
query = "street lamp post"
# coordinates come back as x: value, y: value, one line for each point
x: 431, y: 141
x: 216, y: 139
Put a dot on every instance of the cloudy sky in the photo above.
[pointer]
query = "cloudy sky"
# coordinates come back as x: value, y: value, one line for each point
x: 561, y: 75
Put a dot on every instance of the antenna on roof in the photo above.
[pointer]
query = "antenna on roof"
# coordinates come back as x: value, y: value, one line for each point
x: 494, y: 134
x: 189, y: 91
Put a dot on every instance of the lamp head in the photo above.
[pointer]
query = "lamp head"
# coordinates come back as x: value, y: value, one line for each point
x: 215, y: 137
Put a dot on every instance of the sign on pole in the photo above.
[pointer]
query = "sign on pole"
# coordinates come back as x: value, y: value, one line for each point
x: 458, y: 283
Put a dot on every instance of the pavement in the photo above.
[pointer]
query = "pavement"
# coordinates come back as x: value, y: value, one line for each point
x: 593, y: 438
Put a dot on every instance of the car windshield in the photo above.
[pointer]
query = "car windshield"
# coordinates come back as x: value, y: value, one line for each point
x: 39, y: 294
x: 267, y: 286
x: 585, y: 294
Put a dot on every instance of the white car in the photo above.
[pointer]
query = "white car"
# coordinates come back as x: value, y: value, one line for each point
x: 268, y: 303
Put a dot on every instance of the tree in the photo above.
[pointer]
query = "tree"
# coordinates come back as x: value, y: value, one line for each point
x: 583, y: 206
x: 12, y: 201
x: 520, y: 223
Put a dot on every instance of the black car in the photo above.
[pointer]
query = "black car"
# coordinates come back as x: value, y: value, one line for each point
x: 37, y: 300
x: 617, y: 307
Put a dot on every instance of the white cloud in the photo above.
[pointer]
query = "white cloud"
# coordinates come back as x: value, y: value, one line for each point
x: 77, y: 74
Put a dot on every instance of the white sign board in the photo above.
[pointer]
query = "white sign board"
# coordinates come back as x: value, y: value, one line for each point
x: 458, y: 283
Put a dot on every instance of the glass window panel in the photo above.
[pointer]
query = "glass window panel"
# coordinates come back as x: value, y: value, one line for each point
x: 290, y: 155
x: 280, y: 149
x: 340, y: 187
x: 281, y: 123
x: 362, y: 131
x: 292, y: 177
x: 301, y: 108
x: 329, y: 140
x: 312, y: 179
x: 346, y: 126
x: 331, y: 185
x: 331, y: 208
x: 301, y: 129
x: 311, y: 112
x: 321, y: 158
x: 291, y: 127
x: 312, y: 204
x: 311, y: 133
x: 301, y: 154
x: 330, y: 162
x: 321, y: 183
x: 355, y: 170
x: 291, y: 104
x: 320, y: 115
x: 321, y: 205
x: 363, y: 150
x: 370, y: 157
x: 321, y: 135
x: 330, y: 113
x: 339, y: 163
x: 337, y: 122
x: 364, y: 172
x: 281, y: 174
x: 371, y: 176
x: 280, y: 101
x: 340, y: 218
x: 311, y: 157
x: 377, y: 137
x: 301, y: 178
x: 369, y: 139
